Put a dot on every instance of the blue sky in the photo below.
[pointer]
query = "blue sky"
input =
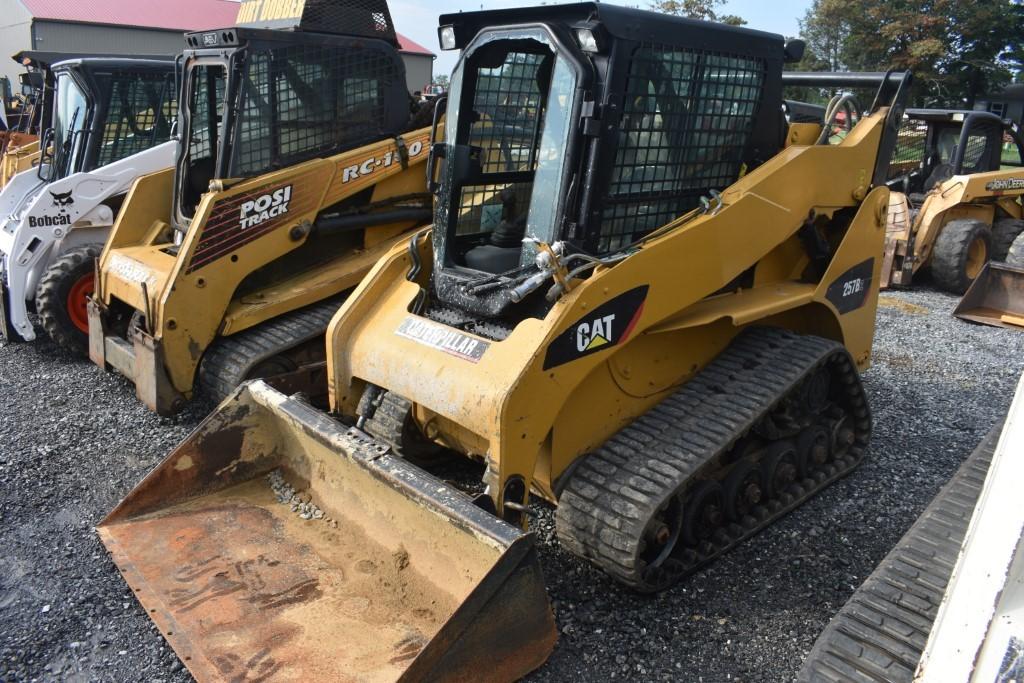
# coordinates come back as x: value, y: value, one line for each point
x: 418, y: 20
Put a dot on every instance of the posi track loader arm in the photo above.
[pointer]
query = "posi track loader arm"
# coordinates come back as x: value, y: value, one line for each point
x: 644, y: 299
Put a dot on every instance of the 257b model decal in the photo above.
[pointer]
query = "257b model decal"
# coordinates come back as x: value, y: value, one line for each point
x: 851, y: 289
x: 605, y: 327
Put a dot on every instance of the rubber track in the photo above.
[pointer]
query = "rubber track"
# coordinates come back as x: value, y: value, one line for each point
x: 881, y: 632
x: 229, y: 360
x: 616, y: 490
x: 388, y: 421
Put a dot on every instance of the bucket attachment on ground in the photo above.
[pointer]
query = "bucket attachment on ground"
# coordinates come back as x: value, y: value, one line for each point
x: 277, y: 544
x: 995, y: 298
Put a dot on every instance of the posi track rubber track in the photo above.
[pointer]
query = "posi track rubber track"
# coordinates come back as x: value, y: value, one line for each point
x: 229, y: 360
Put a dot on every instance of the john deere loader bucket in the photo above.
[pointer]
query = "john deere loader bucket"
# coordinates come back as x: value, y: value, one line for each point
x: 996, y: 297
x: 275, y: 544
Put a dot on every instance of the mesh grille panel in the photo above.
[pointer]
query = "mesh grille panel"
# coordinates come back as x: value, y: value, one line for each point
x: 510, y: 103
x: 687, y: 119
x: 974, y: 154
x: 142, y: 108
x: 304, y: 101
x: 910, y: 149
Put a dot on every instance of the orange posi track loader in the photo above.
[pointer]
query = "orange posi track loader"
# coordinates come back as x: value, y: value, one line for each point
x: 299, y: 164
x: 645, y: 299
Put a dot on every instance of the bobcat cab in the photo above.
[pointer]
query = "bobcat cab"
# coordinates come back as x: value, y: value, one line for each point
x: 111, y: 123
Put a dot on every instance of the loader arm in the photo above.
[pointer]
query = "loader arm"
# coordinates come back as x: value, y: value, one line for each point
x: 507, y: 403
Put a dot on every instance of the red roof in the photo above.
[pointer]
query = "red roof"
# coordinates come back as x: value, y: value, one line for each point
x: 177, y: 15
x: 406, y: 45
x: 180, y: 15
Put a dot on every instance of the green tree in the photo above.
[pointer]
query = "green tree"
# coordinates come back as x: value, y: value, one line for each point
x: 956, y: 49
x: 697, y: 9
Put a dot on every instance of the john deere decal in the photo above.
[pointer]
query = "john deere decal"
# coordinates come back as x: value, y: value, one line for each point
x: 1004, y: 185
x: 605, y: 327
x: 443, y: 338
x: 851, y: 289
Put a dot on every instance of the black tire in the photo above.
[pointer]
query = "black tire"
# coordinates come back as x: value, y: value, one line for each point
x: 1015, y: 256
x: 955, y: 261
x: 65, y: 277
x: 1004, y: 232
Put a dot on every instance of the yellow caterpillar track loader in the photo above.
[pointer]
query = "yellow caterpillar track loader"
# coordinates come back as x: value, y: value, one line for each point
x: 956, y: 200
x: 296, y: 170
x: 644, y: 299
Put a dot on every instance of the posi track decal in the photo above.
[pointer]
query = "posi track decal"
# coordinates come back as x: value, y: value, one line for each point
x: 850, y: 290
x: 605, y: 327
x: 443, y: 338
x: 238, y: 220
x: 1005, y: 184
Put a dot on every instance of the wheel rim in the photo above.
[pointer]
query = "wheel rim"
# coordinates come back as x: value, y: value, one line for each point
x: 78, y: 301
x: 977, y: 256
x: 744, y: 490
x: 703, y: 513
x: 662, y: 534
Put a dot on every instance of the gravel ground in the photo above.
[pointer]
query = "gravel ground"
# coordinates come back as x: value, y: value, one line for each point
x: 74, y: 441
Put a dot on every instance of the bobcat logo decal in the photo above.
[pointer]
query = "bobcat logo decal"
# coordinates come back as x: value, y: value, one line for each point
x: 62, y: 200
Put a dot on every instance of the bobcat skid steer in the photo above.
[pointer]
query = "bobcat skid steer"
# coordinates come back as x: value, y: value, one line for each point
x: 295, y: 172
x: 644, y: 299
x: 111, y: 123
x: 956, y: 202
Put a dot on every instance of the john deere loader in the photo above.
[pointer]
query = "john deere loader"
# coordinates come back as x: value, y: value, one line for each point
x: 111, y: 123
x: 644, y: 299
x: 296, y: 170
x: 956, y: 202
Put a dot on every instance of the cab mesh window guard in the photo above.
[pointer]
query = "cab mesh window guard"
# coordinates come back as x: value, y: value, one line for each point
x: 509, y: 102
x: 304, y: 101
x: 687, y: 119
x: 207, y: 96
x: 141, y: 112
x: 910, y: 148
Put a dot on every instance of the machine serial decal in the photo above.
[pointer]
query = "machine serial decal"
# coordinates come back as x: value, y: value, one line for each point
x: 443, y: 338
x: 369, y: 166
x: 851, y: 289
x: 607, y: 326
x: 1005, y: 184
